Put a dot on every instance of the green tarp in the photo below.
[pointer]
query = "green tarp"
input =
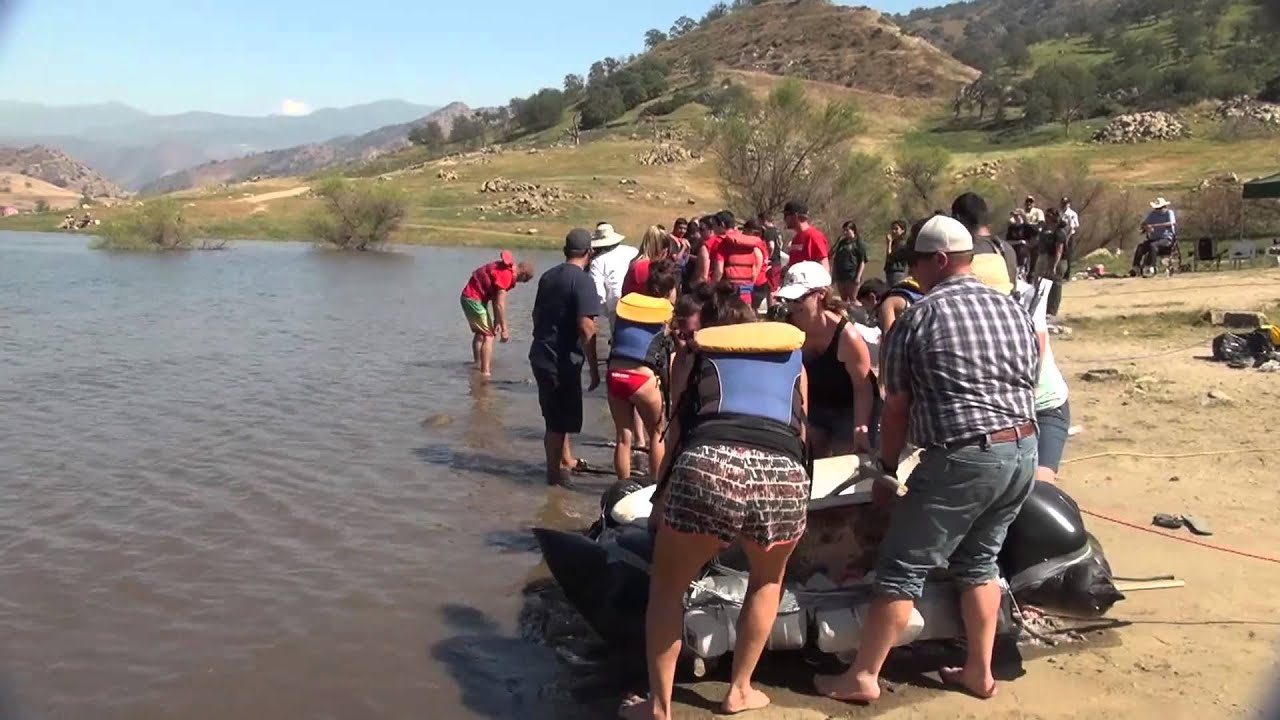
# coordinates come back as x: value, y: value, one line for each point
x: 1267, y: 187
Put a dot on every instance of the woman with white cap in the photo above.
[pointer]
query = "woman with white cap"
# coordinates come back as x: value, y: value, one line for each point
x: 842, y: 398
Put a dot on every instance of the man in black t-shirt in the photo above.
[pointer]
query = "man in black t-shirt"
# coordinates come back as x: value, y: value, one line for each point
x: 972, y: 212
x: 564, y: 336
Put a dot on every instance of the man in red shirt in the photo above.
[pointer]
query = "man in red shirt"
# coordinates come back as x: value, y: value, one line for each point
x: 487, y: 286
x: 710, y: 246
x: 739, y: 257
x: 808, y: 244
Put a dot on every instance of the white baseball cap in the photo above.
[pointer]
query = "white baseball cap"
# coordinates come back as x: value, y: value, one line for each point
x: 802, y: 279
x: 943, y: 234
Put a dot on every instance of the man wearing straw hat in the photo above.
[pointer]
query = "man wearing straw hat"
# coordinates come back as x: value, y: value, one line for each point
x: 1161, y: 228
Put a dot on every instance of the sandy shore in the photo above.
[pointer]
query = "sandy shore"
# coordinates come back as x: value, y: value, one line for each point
x: 1203, y: 651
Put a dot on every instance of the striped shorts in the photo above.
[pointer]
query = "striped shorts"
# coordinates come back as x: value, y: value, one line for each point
x: 728, y: 492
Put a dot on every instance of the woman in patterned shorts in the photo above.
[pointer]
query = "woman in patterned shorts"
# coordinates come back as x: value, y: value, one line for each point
x: 734, y: 472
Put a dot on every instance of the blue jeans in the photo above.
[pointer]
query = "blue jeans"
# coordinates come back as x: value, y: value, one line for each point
x: 957, y: 510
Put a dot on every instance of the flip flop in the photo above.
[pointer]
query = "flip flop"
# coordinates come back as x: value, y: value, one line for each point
x: 629, y: 702
x: 583, y: 468
x: 951, y: 680
x: 1196, y: 525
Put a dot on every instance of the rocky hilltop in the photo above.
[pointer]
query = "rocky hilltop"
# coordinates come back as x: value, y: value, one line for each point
x: 856, y: 47
x: 57, y: 168
x: 308, y: 158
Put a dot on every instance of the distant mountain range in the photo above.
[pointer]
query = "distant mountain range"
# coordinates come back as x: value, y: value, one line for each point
x: 134, y: 148
x: 306, y: 158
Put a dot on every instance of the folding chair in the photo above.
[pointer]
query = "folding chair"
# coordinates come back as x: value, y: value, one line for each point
x: 1207, y: 252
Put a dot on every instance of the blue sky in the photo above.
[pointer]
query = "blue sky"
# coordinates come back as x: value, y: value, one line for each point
x: 254, y: 56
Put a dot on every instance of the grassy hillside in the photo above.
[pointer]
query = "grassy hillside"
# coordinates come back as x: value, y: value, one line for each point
x: 857, y: 48
x: 604, y: 178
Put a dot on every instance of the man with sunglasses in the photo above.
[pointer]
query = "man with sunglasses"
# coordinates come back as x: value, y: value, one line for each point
x: 960, y: 370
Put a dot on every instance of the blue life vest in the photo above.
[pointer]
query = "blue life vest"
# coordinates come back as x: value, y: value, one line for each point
x: 907, y: 290
x: 631, y: 339
x: 748, y: 396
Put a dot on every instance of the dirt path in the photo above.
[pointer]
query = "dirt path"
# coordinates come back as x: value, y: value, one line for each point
x: 277, y: 195
x: 1246, y: 289
x: 1204, y: 651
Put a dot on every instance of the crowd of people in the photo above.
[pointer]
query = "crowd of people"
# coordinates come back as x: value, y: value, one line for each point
x: 737, y: 358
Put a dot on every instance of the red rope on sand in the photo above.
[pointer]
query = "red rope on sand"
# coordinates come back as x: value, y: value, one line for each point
x: 1181, y: 539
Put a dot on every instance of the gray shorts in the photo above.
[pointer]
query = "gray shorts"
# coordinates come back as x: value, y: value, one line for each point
x: 957, y: 510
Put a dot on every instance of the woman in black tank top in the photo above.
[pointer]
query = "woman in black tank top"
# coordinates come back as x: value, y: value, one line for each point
x: 842, y: 394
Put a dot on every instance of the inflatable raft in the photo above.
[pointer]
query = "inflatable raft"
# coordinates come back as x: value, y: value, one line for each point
x: 1048, y: 560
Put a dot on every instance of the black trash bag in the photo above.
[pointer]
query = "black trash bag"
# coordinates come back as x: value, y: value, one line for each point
x: 1051, y: 561
x: 1229, y: 347
x: 1084, y: 587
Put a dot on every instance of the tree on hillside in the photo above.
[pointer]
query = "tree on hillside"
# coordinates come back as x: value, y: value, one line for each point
x: 543, y: 109
x: 597, y: 73
x: 573, y: 84
x: 1191, y: 34
x: 1015, y: 52
x: 1069, y: 88
x: 922, y: 176
x: 716, y: 12
x: 654, y: 38
x: 682, y: 26
x: 430, y: 136
x: 602, y: 104
x: 466, y: 131
x: 786, y: 148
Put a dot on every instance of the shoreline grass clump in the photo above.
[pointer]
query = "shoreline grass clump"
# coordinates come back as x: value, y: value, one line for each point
x: 158, y: 225
x: 358, y: 216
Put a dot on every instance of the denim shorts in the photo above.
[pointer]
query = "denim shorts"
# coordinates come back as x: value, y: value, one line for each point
x: 1053, y: 427
x: 957, y: 510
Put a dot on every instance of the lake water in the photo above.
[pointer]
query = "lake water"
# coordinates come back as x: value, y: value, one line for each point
x: 262, y: 483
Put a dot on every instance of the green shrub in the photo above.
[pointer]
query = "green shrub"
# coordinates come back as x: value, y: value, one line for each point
x: 157, y: 225
x: 357, y: 215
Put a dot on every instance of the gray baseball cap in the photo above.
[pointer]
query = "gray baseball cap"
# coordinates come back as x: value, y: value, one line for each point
x: 578, y: 241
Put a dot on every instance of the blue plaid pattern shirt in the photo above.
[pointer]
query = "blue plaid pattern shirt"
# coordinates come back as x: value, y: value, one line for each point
x: 969, y: 358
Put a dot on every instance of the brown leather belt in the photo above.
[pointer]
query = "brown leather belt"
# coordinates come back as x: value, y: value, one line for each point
x: 1012, y: 434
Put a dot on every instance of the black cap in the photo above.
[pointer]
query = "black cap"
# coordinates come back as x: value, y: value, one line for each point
x: 578, y: 242
x: 795, y: 207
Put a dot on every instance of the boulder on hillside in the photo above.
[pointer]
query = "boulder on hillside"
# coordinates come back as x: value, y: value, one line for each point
x: 1245, y: 107
x: 1141, y: 127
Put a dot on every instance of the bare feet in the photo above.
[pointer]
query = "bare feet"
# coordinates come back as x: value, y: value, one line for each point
x: 981, y: 686
x: 637, y: 708
x: 849, y: 687
x: 738, y: 701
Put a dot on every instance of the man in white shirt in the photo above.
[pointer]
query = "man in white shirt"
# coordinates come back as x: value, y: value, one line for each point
x: 1070, y: 217
x: 609, y: 262
x: 1071, y: 221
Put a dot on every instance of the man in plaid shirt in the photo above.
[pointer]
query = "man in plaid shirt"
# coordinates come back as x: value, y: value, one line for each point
x: 960, y: 369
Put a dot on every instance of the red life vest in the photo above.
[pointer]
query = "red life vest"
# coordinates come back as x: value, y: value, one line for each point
x: 739, y: 254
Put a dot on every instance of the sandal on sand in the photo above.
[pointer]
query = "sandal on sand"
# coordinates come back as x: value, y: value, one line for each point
x: 1197, y: 525
x: 583, y: 468
x: 630, y: 702
x: 951, y: 678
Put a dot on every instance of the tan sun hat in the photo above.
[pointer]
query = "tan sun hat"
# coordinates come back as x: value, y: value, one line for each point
x: 605, y: 236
